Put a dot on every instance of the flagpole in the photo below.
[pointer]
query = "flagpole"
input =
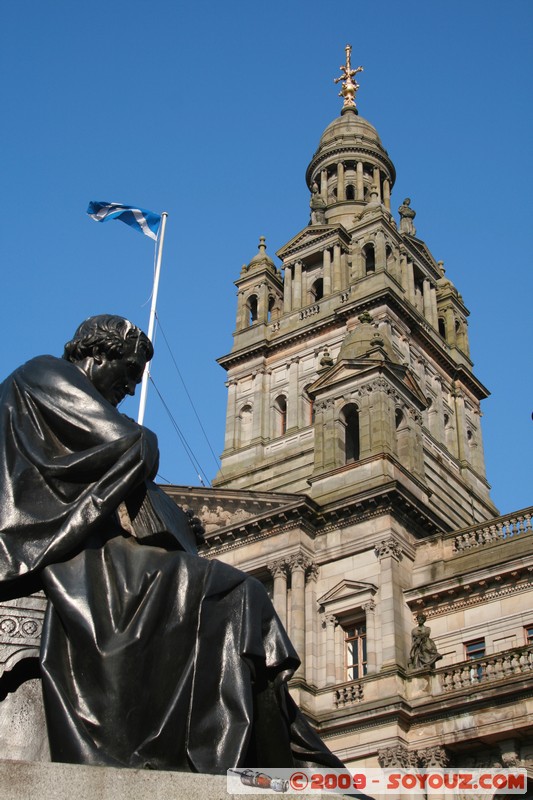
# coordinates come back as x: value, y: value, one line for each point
x: 151, y: 324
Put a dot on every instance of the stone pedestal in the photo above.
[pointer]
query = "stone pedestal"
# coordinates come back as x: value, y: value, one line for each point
x: 25, y: 780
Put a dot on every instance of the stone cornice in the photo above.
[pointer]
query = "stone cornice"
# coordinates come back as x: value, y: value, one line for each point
x: 465, y: 591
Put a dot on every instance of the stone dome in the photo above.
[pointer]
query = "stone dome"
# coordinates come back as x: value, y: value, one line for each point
x: 349, y: 126
x: 350, y: 137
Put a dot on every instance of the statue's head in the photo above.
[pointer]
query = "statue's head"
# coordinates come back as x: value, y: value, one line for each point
x: 420, y: 617
x: 113, y: 354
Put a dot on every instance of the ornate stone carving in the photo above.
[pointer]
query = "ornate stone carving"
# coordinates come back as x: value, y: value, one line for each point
x: 278, y: 567
x: 389, y: 547
x: 396, y: 756
x: 299, y: 561
x: 312, y: 572
x: 433, y: 757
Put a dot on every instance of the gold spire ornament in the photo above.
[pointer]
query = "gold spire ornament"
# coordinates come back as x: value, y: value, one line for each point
x: 349, y: 86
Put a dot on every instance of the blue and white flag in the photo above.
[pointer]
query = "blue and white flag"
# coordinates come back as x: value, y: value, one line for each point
x: 138, y: 218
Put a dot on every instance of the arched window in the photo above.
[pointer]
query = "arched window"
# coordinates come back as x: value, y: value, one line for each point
x: 252, y: 309
x: 370, y: 258
x: 245, y: 420
x: 280, y: 415
x: 316, y: 292
x: 442, y: 327
x: 350, y: 192
x: 350, y: 419
x: 271, y: 306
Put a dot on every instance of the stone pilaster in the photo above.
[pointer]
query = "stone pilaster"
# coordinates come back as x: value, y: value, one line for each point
x: 298, y: 565
x: 389, y: 553
x: 279, y: 570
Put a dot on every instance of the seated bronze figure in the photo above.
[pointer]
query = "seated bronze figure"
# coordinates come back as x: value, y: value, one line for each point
x: 151, y: 655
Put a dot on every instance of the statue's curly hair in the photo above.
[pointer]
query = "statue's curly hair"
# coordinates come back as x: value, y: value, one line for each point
x: 107, y: 334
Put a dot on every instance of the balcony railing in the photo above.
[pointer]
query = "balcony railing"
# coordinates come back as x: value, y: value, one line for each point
x: 507, y: 527
x: 499, y: 666
x: 348, y: 694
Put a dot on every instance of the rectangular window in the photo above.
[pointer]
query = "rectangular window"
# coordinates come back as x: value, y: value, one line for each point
x: 474, y: 650
x: 528, y: 631
x: 355, y: 651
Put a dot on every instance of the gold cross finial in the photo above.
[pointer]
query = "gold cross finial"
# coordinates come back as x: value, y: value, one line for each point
x: 349, y: 86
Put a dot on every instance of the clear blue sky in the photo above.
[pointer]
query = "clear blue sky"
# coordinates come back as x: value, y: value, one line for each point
x: 212, y: 111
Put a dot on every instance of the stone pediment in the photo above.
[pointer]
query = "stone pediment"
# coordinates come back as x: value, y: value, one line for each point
x: 311, y: 238
x: 348, y: 369
x: 347, y: 589
x: 348, y: 597
x: 220, y: 509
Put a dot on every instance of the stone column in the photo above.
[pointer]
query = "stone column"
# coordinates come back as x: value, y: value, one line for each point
x: 341, y: 191
x: 434, y: 313
x: 463, y: 453
x: 262, y: 302
x: 319, y: 424
x: 410, y: 282
x: 450, y: 326
x: 257, y: 420
x: 390, y: 554
x: 340, y: 672
x: 426, y: 295
x: 438, y: 428
x: 386, y: 193
x: 324, y: 184
x: 478, y: 456
x: 278, y: 570
x: 287, y: 289
x: 330, y: 622
x: 371, y: 640
x: 357, y: 263
x: 230, y: 437
x: 377, y: 181
x: 297, y: 286
x: 311, y: 631
x: 298, y: 564
x: 336, y: 267
x: 242, y: 311
x: 294, y: 394
x: 326, y: 268
x: 360, y: 181
x: 381, y: 254
x: 404, y: 275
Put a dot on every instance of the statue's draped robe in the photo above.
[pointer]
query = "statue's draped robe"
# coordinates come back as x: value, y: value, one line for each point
x: 151, y: 656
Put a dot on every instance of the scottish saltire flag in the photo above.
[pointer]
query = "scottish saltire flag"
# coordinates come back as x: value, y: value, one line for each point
x: 138, y: 218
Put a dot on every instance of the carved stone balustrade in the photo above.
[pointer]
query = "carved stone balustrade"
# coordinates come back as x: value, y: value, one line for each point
x: 497, y: 667
x: 348, y: 694
x: 509, y: 526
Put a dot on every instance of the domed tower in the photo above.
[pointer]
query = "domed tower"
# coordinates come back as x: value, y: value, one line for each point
x: 350, y: 375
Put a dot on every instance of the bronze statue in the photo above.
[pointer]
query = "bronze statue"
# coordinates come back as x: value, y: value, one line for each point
x: 151, y: 655
x: 423, y: 649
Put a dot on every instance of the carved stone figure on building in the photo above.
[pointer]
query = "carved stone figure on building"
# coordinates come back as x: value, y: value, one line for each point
x: 318, y: 206
x: 423, y: 650
x: 407, y: 215
x: 151, y: 656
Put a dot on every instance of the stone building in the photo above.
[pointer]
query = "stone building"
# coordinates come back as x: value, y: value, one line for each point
x: 352, y: 484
